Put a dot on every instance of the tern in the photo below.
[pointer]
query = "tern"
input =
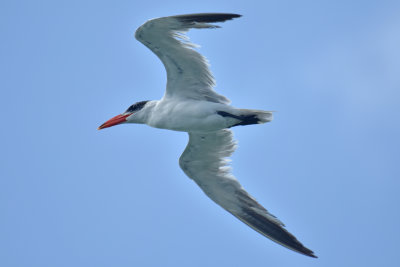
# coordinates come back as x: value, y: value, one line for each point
x: 190, y: 104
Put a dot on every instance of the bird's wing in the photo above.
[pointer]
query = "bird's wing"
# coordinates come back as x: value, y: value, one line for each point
x: 205, y: 161
x: 188, y: 74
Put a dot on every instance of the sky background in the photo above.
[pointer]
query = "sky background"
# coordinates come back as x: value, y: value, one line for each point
x: 327, y: 165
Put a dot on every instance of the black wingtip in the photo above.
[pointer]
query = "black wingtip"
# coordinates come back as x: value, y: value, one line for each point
x: 308, y: 252
x: 207, y: 17
x: 273, y: 231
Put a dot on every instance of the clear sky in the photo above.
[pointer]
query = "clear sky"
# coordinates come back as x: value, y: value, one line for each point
x: 327, y: 165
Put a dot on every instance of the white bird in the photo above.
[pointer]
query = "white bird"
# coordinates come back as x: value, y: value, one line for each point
x: 191, y: 105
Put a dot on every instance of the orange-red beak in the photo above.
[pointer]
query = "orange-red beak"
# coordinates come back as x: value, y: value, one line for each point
x: 114, y: 121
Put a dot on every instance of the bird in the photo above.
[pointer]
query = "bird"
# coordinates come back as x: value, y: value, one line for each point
x: 190, y: 104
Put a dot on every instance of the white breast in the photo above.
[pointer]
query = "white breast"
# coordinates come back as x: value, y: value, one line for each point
x: 188, y: 115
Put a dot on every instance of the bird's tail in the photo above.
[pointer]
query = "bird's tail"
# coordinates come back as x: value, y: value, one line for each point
x: 262, y: 116
x: 248, y: 116
x: 253, y: 116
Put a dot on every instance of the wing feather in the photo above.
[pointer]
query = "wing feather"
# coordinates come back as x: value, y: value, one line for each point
x: 205, y: 161
x: 188, y: 73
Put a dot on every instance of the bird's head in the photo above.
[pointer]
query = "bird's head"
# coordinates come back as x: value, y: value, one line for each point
x: 130, y: 115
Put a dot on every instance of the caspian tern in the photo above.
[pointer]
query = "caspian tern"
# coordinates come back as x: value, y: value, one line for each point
x: 191, y: 105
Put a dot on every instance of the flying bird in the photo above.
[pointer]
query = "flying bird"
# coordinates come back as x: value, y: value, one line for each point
x: 190, y: 104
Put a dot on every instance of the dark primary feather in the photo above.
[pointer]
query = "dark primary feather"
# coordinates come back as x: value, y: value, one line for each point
x: 272, y: 230
x: 207, y: 17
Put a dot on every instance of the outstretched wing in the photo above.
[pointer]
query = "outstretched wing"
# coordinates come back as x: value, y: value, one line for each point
x: 188, y: 74
x: 205, y: 161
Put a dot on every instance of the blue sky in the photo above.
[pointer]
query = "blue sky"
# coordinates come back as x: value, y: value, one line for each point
x: 327, y: 165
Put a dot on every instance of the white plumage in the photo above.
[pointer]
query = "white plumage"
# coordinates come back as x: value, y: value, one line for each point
x: 188, y: 75
x: 190, y: 104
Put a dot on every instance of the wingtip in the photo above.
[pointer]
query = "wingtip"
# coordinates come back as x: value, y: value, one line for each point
x: 307, y: 252
x: 301, y: 249
x: 304, y: 250
x: 311, y: 255
x: 272, y: 229
x: 207, y: 17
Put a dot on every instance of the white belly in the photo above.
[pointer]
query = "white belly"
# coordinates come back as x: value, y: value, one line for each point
x: 189, y: 116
